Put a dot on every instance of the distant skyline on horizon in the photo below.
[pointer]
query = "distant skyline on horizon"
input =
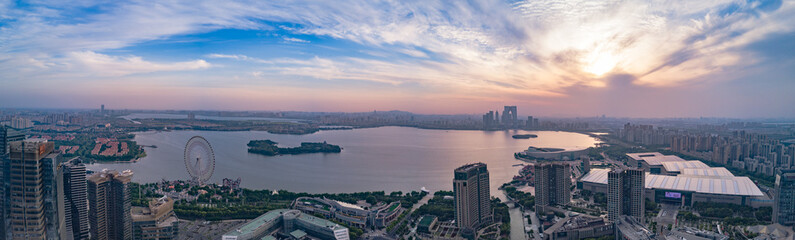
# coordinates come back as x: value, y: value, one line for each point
x: 474, y: 114
x: 556, y: 58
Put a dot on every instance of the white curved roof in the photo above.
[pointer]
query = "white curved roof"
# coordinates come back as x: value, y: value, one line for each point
x: 596, y: 175
x: 726, y: 186
x: 677, y: 166
x: 702, y: 184
x: 707, y: 172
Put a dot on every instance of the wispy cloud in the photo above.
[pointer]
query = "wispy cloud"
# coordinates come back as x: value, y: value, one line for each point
x: 105, y: 65
x: 295, y: 40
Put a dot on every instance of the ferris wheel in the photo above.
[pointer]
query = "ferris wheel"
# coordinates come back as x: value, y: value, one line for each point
x: 199, y: 159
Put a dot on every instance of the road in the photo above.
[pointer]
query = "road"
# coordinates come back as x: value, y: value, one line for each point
x: 614, y: 162
x: 422, y: 201
x: 417, y: 205
x: 518, y: 220
x: 535, y: 224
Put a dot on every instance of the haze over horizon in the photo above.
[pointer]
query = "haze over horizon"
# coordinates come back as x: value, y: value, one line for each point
x: 549, y: 58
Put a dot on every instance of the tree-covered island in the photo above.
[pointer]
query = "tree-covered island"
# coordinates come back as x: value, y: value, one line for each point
x: 269, y: 148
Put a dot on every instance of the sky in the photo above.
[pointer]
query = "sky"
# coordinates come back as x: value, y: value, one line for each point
x: 563, y: 58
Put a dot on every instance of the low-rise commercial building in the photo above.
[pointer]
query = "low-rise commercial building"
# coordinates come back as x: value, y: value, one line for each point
x: 427, y: 224
x: 553, y: 153
x: 629, y: 228
x: 578, y: 227
x: 378, y: 216
x: 155, y: 222
x: 673, y: 168
x: 285, y: 222
x: 686, y: 189
x: 651, y: 162
x: 688, y: 233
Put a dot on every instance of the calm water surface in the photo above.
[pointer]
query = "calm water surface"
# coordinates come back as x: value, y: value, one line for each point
x: 375, y: 159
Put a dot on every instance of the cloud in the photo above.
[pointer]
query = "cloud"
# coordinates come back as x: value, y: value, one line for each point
x: 105, y: 65
x: 295, y: 40
x: 480, y: 48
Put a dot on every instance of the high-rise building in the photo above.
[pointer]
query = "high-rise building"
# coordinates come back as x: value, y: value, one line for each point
x: 529, y: 123
x: 552, y: 184
x: 53, y: 195
x: 488, y: 121
x: 75, y: 199
x: 155, y: 222
x: 109, y: 205
x: 472, y: 199
x: 509, y: 116
x: 586, y: 164
x: 35, y: 211
x: 784, y: 199
x: 6, y: 135
x: 625, y: 188
x: 102, y: 109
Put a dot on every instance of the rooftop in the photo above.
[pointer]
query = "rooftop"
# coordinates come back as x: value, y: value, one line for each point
x: 596, y: 175
x: 348, y: 205
x: 678, y: 166
x: 298, y: 234
x: 470, y: 166
x: 659, y: 160
x: 701, y: 184
x: 707, y: 172
x: 257, y: 222
x: 632, y: 229
x: 426, y: 220
x: 639, y: 156
x: 320, y: 222
x: 575, y: 222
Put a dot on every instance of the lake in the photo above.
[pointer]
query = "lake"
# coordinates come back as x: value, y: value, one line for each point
x: 373, y: 159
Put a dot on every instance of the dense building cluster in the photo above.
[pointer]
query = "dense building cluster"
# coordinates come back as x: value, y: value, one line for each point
x: 755, y: 153
x: 48, y: 197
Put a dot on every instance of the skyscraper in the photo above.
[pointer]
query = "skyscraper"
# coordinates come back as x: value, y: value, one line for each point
x: 75, y: 198
x: 529, y: 123
x: 784, y: 199
x: 109, y: 205
x: 488, y: 121
x: 586, y: 164
x: 509, y: 116
x: 552, y: 184
x: 53, y: 195
x: 625, y: 188
x: 35, y: 212
x: 6, y: 135
x: 472, y: 199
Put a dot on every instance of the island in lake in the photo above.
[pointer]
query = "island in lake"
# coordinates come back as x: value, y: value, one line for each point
x: 269, y: 148
x: 524, y: 136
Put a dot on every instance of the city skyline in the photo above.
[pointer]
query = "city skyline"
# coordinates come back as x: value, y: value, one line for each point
x: 551, y: 58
